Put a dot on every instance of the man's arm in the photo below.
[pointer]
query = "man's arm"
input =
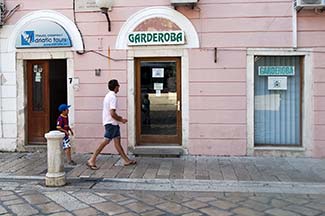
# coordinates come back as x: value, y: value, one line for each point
x: 117, y: 117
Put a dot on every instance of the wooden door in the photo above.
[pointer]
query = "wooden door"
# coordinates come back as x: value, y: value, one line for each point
x: 158, y: 101
x: 38, y: 101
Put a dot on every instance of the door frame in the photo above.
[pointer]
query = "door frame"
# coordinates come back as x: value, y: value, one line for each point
x: 170, y: 51
x: 33, y: 54
x: 152, y: 139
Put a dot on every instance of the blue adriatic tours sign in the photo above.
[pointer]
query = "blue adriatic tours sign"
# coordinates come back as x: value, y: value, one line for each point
x: 156, y: 38
x: 43, y: 34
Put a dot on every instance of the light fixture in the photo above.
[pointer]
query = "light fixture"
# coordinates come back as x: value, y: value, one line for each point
x: 105, y: 6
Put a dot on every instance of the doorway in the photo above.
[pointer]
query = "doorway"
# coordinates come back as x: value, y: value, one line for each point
x: 46, y: 90
x: 158, y: 101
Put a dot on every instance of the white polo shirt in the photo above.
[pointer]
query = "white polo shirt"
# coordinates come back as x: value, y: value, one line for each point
x: 110, y: 102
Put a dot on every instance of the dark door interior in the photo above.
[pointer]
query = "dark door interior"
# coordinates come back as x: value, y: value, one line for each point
x: 58, y: 88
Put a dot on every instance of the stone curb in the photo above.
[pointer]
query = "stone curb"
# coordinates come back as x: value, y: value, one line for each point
x: 212, y: 186
x: 191, y: 185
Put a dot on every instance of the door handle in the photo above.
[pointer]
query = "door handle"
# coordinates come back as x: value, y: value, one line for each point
x: 178, y: 105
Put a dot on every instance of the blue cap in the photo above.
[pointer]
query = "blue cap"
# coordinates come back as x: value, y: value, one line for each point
x: 63, y: 107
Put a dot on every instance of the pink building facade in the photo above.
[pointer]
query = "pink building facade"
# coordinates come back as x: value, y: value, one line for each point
x: 222, y: 77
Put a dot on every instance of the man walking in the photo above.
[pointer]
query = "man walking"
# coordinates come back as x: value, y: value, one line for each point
x: 111, y: 123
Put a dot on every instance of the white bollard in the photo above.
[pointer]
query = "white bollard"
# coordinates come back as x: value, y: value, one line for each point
x: 55, y: 175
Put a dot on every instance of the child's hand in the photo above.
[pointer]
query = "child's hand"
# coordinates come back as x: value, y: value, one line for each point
x: 71, y: 132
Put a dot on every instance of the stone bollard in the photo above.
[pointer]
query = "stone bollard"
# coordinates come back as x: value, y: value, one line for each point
x: 55, y: 175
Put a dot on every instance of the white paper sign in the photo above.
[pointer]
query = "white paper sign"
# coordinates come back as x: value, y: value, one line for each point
x: 158, y: 72
x: 86, y: 5
x: 158, y: 86
x: 277, y: 83
x: 267, y: 102
x: 38, y: 77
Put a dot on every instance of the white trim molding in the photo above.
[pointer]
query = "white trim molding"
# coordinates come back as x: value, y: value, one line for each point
x: 192, y: 39
x: 15, y: 58
x: 49, y: 15
x: 30, y: 54
x: 307, y: 104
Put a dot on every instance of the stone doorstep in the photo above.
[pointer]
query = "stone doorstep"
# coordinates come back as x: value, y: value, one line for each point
x: 35, y: 148
x: 156, y: 150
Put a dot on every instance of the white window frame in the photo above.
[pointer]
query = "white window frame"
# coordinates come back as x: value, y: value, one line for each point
x: 307, y: 104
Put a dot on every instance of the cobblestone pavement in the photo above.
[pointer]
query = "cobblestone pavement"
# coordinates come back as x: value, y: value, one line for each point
x: 165, y: 186
x: 274, y: 169
x: 80, y: 198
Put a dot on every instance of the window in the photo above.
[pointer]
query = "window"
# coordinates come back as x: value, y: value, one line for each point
x: 277, y: 100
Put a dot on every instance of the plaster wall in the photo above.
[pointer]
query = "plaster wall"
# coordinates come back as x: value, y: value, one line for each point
x: 217, y: 90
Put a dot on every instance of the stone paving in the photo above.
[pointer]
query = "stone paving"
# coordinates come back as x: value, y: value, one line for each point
x: 271, y: 169
x: 165, y: 186
x: 32, y: 198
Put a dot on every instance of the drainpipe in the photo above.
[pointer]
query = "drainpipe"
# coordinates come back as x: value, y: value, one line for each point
x: 1, y: 114
x: 294, y: 27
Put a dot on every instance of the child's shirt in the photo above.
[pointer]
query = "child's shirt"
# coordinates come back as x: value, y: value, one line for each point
x: 63, y: 122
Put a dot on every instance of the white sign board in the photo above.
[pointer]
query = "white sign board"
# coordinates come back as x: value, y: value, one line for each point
x: 277, y: 83
x: 158, y: 86
x: 43, y: 34
x: 269, y: 102
x: 86, y: 5
x: 156, y: 38
x: 158, y: 72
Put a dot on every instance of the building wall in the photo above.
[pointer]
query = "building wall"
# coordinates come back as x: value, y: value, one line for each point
x: 319, y: 99
x: 217, y: 90
x: 311, y: 34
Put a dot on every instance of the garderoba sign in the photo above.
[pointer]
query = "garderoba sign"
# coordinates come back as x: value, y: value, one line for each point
x: 156, y: 38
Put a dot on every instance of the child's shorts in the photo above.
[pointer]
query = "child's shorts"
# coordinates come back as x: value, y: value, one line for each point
x: 66, y: 143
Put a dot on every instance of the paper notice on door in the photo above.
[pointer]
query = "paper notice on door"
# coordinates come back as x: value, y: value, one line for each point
x: 158, y: 93
x: 268, y: 102
x: 38, y: 77
x: 158, y: 86
x: 158, y: 72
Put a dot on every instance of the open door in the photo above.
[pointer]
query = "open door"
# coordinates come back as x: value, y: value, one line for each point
x: 38, y: 101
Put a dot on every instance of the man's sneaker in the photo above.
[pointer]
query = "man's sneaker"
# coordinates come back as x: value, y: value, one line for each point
x: 72, y: 163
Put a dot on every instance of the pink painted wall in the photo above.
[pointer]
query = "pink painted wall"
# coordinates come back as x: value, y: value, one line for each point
x: 319, y: 102
x: 217, y: 90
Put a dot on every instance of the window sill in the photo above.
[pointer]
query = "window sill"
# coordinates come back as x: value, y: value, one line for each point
x: 286, y: 148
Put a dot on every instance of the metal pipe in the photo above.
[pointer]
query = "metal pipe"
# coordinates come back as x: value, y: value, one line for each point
x: 294, y: 28
x: 105, y: 11
x: 1, y: 109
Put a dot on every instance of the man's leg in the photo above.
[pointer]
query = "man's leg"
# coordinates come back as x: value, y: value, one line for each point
x: 120, y: 150
x: 92, y: 159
